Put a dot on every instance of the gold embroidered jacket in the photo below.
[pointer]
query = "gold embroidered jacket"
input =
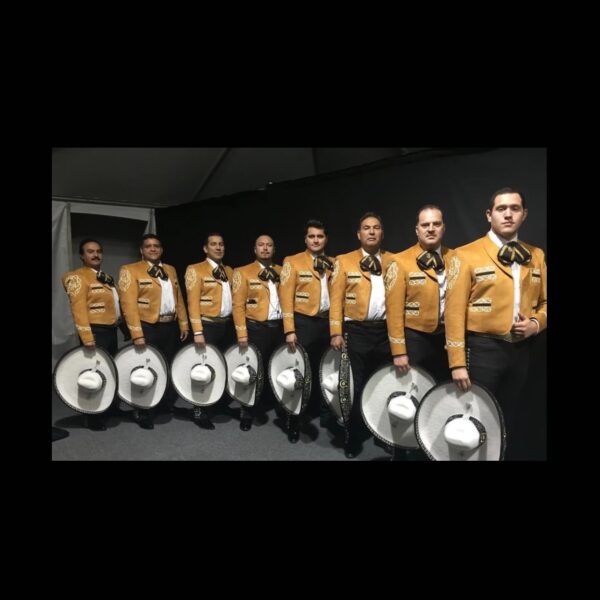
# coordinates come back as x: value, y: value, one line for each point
x: 350, y: 289
x: 204, y: 292
x: 480, y: 294
x: 92, y: 302
x: 250, y: 296
x: 412, y: 296
x: 300, y: 288
x: 140, y: 296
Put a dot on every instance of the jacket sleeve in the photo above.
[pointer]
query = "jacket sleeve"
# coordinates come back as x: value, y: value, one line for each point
x: 182, y: 317
x: 541, y: 309
x: 193, y: 286
x: 239, y: 294
x: 128, y: 299
x: 337, y: 288
x: 287, y: 289
x: 457, y: 299
x: 76, y: 289
x: 395, y: 293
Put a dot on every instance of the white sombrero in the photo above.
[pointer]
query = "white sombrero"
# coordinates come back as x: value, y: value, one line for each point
x: 244, y: 373
x: 86, y: 379
x: 389, y: 404
x: 143, y: 375
x: 199, y: 376
x: 453, y: 425
x: 329, y: 380
x: 290, y: 378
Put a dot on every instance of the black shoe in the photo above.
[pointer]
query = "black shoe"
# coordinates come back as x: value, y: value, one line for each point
x: 144, y: 419
x: 246, y: 423
x: 96, y: 423
x: 293, y: 436
x: 203, y: 421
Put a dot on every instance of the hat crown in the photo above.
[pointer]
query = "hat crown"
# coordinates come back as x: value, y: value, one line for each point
x: 331, y: 382
x: 142, y: 377
x: 241, y: 375
x: 462, y: 433
x: 287, y: 379
x: 403, y: 407
x: 90, y: 380
x: 201, y: 374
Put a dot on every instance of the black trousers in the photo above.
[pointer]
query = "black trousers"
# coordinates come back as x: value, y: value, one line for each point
x: 368, y: 349
x: 427, y: 350
x: 221, y: 335
x: 165, y: 337
x: 502, y: 368
x: 313, y: 335
x: 266, y: 336
x: 105, y: 337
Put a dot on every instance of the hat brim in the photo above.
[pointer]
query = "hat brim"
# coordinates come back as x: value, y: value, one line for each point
x: 68, y: 369
x: 374, y: 403
x: 131, y: 357
x: 192, y: 391
x: 443, y: 401
x: 235, y: 356
x: 330, y: 363
x: 293, y: 402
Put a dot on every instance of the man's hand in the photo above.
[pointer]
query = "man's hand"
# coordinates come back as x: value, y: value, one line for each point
x: 199, y: 340
x: 401, y: 363
x: 91, y: 345
x: 337, y: 342
x: 460, y: 376
x: 524, y: 327
x: 243, y: 342
x: 140, y: 341
x: 183, y: 335
x: 290, y: 340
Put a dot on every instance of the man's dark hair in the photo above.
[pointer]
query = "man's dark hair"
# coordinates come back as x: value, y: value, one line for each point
x: 87, y: 241
x: 211, y: 235
x: 506, y: 190
x: 316, y: 224
x: 367, y: 215
x: 150, y: 236
x: 429, y: 207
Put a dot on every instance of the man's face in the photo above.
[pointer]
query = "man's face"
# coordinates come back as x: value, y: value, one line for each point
x: 370, y: 235
x: 507, y: 216
x: 92, y: 255
x: 430, y: 228
x: 264, y: 248
x: 151, y: 250
x: 315, y: 240
x: 215, y: 248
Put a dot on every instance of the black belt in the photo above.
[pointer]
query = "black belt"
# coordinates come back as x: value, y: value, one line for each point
x: 368, y: 324
x: 323, y: 315
x: 216, y: 319
x: 271, y: 323
x: 511, y: 338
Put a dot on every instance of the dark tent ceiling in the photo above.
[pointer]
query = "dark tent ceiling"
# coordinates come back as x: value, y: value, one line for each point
x: 161, y: 177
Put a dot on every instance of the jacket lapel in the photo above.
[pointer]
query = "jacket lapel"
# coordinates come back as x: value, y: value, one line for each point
x: 492, y: 251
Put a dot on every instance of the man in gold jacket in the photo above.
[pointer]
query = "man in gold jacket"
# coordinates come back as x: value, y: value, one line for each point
x: 208, y: 286
x: 496, y: 301
x: 304, y: 297
x: 416, y: 296
x: 95, y: 306
x: 154, y: 311
x: 257, y: 312
x: 357, y: 295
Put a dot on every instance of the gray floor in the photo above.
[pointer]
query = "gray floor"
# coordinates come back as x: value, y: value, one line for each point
x: 174, y: 437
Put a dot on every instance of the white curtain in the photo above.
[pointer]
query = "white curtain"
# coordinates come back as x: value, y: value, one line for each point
x: 64, y: 335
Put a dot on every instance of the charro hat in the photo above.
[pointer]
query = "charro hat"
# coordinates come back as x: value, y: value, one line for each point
x: 389, y: 403
x: 199, y: 375
x: 454, y: 425
x: 329, y: 380
x: 244, y: 373
x: 290, y: 378
x: 143, y: 375
x: 85, y: 379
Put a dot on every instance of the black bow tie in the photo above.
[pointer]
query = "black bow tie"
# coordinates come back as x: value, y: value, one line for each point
x: 371, y: 264
x: 158, y: 271
x: 268, y: 274
x: 103, y: 277
x: 430, y: 260
x: 322, y: 263
x: 219, y: 273
x: 514, y: 252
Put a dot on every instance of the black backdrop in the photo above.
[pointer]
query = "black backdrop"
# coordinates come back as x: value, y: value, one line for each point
x: 460, y: 181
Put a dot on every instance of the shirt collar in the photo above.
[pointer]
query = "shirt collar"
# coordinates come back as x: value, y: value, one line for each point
x: 499, y: 241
